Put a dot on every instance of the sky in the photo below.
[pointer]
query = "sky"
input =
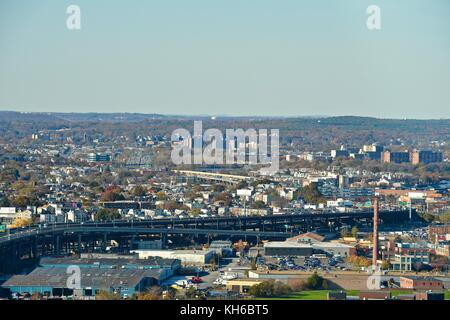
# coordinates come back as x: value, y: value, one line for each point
x: 227, y: 57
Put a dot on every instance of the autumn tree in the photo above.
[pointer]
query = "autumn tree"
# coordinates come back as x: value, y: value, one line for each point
x: 359, y: 261
x: 107, y: 215
x: 112, y: 194
x: 270, y: 288
x: 225, y: 197
x: 314, y: 282
x: 354, y: 232
x: 385, y: 265
x: 311, y: 194
x: 258, y: 205
x: 106, y: 295
x: 139, y: 191
x: 153, y: 293
x: 195, y: 212
x: 161, y: 195
x: 21, y: 222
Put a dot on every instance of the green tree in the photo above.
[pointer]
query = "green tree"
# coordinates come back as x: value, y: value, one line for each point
x: 345, y: 232
x: 385, y: 265
x: 161, y: 195
x: 139, y: 191
x: 225, y: 197
x: 4, y: 202
x: 107, y: 215
x: 311, y: 194
x: 193, y: 293
x: 445, y: 218
x: 106, y: 295
x: 153, y: 293
x: 253, y: 264
x: 112, y: 194
x: 270, y: 288
x: 195, y: 212
x: 314, y: 282
x: 354, y: 232
x: 428, y: 217
x: 21, y: 222
x: 258, y: 205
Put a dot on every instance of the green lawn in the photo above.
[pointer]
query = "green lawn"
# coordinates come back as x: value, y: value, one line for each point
x: 322, y: 294
x: 308, y: 295
x: 396, y: 293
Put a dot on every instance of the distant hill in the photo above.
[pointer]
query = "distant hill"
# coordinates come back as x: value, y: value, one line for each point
x: 51, y: 116
x: 12, y: 116
x: 305, y: 133
x: 137, y: 117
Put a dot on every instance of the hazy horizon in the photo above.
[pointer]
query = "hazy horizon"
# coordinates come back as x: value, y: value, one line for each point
x: 234, y: 58
x: 221, y: 115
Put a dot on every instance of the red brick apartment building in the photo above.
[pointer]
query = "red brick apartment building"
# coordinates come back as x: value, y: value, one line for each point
x: 438, y: 229
x: 421, y: 283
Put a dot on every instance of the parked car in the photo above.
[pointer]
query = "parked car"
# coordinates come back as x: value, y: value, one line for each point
x: 196, y: 280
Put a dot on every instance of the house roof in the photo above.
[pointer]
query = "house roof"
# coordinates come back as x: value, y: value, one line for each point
x: 311, y: 235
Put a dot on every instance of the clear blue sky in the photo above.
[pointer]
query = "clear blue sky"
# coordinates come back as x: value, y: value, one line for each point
x: 227, y: 57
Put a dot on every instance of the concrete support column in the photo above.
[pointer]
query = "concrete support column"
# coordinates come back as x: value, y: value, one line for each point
x: 56, y: 245
x: 104, y: 242
x: 79, y: 244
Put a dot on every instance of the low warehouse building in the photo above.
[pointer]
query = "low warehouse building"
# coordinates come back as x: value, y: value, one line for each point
x: 429, y: 295
x: 335, y: 248
x: 168, y: 267
x: 287, y: 248
x: 300, y: 248
x: 337, y: 295
x: 242, y: 285
x: 124, y: 275
x: 421, y: 283
x: 375, y: 295
x: 187, y: 257
x: 53, y: 282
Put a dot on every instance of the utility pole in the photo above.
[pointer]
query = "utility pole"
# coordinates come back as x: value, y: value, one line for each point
x: 410, y: 208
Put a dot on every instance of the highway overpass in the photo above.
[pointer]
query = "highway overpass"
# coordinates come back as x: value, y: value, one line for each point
x: 31, y: 242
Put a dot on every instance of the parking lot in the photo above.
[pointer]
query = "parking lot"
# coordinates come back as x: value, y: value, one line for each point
x: 308, y: 264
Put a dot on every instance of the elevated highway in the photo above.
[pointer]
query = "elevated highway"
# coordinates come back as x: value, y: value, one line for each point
x: 31, y: 242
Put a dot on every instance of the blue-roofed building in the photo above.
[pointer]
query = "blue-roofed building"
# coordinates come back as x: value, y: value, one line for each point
x: 121, y: 275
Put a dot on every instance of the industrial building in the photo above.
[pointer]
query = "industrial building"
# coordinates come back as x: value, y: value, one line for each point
x: 335, y: 248
x: 301, y: 248
x: 287, y: 248
x: 187, y: 257
x: 52, y: 282
x: 121, y: 275
x: 421, y: 283
x: 307, y: 237
x: 222, y: 248
x: 242, y: 285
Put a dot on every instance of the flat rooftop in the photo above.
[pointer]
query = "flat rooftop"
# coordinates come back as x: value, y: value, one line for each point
x: 56, y: 277
x: 287, y: 244
x: 106, y: 262
x: 315, y: 245
x: 177, y: 252
x: 331, y: 245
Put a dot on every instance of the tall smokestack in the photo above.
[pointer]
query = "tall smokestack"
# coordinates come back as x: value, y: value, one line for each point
x: 375, y: 232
